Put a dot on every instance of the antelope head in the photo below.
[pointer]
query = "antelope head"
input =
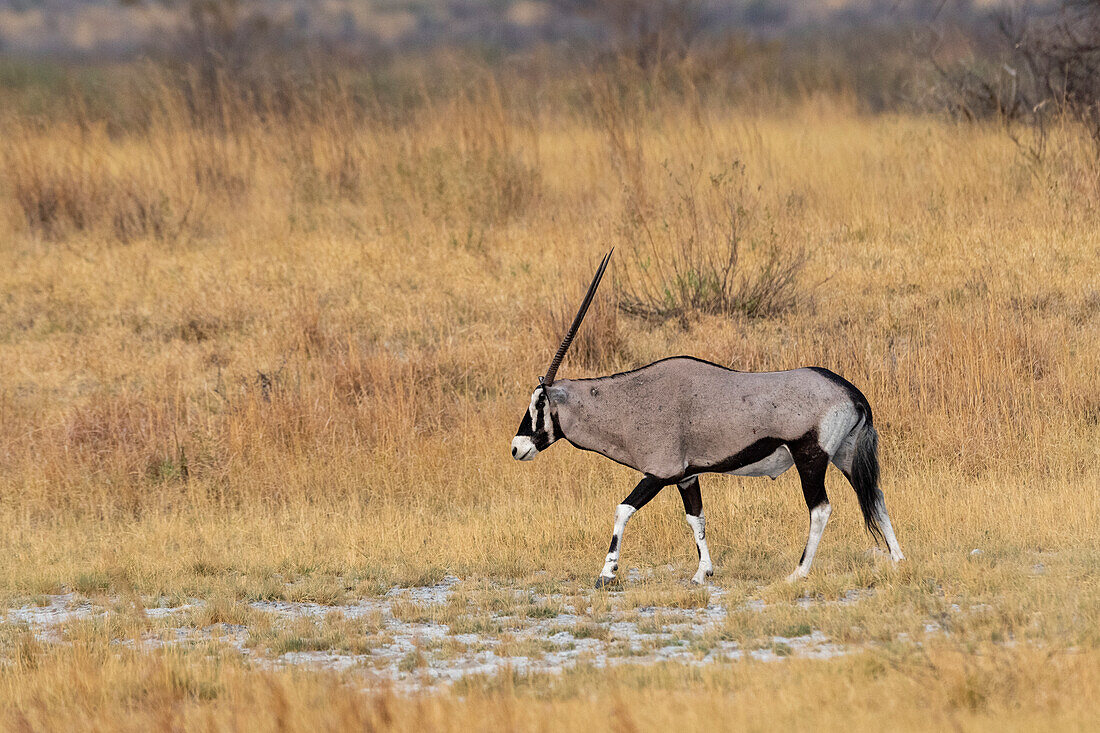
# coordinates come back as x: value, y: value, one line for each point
x: 539, y: 429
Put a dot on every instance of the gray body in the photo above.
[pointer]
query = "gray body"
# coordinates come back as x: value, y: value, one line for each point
x: 681, y: 416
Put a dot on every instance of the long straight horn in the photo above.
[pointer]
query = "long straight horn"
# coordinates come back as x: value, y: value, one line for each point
x: 556, y: 361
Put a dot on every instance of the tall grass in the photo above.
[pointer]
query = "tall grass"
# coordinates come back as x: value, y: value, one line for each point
x: 325, y: 277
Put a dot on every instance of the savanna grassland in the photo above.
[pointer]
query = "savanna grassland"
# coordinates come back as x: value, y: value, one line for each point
x: 271, y: 342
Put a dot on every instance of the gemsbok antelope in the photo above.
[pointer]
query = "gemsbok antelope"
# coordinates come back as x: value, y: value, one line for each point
x: 681, y: 417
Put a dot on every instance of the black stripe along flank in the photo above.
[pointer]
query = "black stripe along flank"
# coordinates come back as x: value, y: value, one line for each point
x: 747, y: 456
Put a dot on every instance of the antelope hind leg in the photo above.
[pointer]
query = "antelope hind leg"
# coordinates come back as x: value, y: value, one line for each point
x: 693, y: 513
x: 812, y: 462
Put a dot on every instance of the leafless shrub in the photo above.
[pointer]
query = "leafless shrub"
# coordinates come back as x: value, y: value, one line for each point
x: 685, y: 254
x: 70, y: 185
x: 52, y: 198
x: 59, y: 196
x: 1048, y: 66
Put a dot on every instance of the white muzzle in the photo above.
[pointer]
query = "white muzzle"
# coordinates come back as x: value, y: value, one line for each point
x: 523, y: 448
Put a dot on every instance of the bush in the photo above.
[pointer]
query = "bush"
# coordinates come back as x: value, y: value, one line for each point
x: 684, y: 253
x: 1047, y: 65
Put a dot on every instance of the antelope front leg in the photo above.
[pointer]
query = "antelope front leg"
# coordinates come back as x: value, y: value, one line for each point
x: 623, y: 512
x: 693, y: 512
x: 646, y: 489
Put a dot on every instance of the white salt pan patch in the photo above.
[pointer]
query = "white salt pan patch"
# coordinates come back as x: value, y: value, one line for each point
x: 60, y: 609
x: 414, y: 656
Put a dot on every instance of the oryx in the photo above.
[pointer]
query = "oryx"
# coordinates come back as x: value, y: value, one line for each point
x: 681, y: 417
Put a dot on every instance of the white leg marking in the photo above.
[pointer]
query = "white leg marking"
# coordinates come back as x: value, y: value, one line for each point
x: 699, y: 531
x: 819, y: 517
x: 623, y: 512
x: 887, y: 528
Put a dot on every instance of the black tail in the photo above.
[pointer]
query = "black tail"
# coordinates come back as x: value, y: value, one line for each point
x: 865, y: 476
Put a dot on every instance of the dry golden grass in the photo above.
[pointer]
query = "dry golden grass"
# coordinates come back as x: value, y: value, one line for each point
x: 283, y: 357
x: 93, y: 688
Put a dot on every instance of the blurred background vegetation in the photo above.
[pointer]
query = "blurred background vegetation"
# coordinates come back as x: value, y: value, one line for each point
x: 978, y: 60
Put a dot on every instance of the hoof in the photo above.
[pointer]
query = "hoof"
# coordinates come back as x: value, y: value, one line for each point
x: 604, y: 581
x: 795, y: 577
x: 701, y: 575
